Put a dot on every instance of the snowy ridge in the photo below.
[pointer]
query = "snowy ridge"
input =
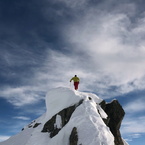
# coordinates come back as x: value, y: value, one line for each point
x: 87, y: 118
x: 60, y: 98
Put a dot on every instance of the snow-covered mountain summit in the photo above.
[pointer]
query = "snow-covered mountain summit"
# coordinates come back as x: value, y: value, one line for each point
x: 72, y: 118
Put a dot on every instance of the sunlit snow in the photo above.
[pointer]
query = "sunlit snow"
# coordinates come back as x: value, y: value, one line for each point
x: 87, y: 118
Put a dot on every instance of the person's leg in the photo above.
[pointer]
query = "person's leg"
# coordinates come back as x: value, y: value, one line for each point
x: 76, y: 85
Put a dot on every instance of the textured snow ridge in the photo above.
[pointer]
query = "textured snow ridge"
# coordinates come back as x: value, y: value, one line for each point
x: 86, y: 118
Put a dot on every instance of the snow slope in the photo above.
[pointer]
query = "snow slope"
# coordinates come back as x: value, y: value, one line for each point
x: 90, y: 126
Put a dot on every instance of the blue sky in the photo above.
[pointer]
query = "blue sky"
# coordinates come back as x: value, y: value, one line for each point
x: 43, y: 43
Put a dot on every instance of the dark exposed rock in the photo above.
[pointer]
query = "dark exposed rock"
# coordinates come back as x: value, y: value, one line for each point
x: 73, y: 140
x: 65, y: 117
x: 90, y: 98
x: 36, y: 124
x: 115, y: 114
x: 103, y: 105
x: 32, y: 125
x: 50, y: 127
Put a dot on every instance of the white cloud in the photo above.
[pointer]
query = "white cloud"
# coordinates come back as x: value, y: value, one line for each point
x: 133, y: 125
x: 135, y: 135
x: 133, y: 128
x: 131, y: 137
x: 75, y: 4
x: 135, y: 106
x: 22, y: 95
x: 111, y: 43
x: 21, y: 118
x: 106, y: 50
x: 3, y: 138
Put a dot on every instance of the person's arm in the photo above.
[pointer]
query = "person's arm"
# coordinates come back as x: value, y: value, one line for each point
x: 71, y: 79
x: 79, y: 79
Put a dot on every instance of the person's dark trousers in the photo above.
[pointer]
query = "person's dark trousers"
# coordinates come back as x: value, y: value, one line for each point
x: 76, y: 85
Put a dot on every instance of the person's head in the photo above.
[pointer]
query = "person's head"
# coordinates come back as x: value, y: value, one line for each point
x: 75, y: 75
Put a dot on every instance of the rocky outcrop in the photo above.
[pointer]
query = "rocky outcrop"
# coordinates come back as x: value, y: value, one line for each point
x: 114, y: 111
x: 51, y: 127
x: 33, y: 124
x: 73, y: 140
x: 115, y: 114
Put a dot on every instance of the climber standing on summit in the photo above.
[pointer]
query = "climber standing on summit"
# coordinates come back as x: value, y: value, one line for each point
x: 76, y: 81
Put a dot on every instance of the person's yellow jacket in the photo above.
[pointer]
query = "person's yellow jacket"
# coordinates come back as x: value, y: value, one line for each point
x: 75, y: 79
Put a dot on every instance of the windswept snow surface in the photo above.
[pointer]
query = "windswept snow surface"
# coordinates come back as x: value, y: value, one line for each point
x: 90, y: 126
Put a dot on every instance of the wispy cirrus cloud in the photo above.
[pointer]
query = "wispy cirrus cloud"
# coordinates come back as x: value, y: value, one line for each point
x: 135, y: 106
x: 21, y: 118
x: 133, y: 127
x: 20, y: 96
